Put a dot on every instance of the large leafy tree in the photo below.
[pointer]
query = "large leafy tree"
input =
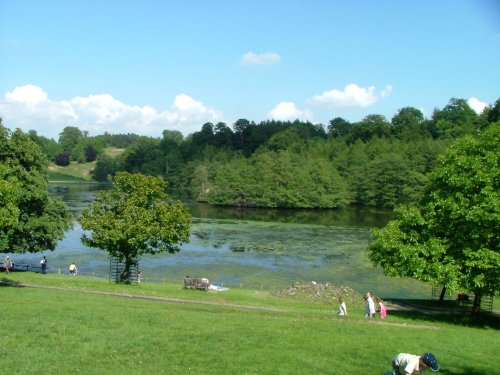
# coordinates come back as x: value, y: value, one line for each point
x: 49, y: 147
x: 451, y: 236
x: 31, y: 220
x: 339, y: 127
x: 454, y: 120
x: 69, y: 138
x: 9, y: 198
x: 135, y: 217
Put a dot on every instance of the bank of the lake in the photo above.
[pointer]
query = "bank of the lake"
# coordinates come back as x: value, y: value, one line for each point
x: 249, y: 248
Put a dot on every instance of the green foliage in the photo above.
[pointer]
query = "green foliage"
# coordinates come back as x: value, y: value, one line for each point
x: 104, y: 168
x: 69, y: 138
x: 49, y: 147
x: 464, y: 201
x: 408, y: 123
x: 279, y: 179
x: 451, y: 236
x: 339, y: 127
x: 144, y: 157
x: 10, y: 192
x: 32, y: 221
x: 135, y: 217
x: 454, y: 120
x: 381, y: 163
x: 86, y: 147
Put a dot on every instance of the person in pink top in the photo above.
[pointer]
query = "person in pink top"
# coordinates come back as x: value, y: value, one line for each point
x: 383, y: 310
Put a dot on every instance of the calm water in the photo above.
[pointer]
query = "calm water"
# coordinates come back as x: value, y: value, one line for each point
x: 253, y: 248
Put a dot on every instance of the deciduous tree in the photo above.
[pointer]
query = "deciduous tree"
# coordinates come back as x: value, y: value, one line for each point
x: 135, y: 217
x: 451, y: 237
x: 32, y: 221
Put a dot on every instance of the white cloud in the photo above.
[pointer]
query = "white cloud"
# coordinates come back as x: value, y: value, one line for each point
x: 477, y: 105
x: 29, y: 108
x: 268, y: 58
x: 287, y: 111
x: 29, y: 94
x: 351, y: 96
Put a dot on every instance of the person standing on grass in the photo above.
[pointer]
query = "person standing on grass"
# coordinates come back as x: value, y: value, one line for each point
x: 369, y: 305
x: 72, y: 269
x: 342, y: 307
x: 44, y: 262
x: 383, y: 310
x: 7, y: 264
x: 408, y: 364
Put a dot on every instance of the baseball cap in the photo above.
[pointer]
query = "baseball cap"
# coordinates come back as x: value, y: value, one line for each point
x: 430, y: 360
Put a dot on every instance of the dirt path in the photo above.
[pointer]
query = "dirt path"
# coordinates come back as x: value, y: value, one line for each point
x: 151, y: 298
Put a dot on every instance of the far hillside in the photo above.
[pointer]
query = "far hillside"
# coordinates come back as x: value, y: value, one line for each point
x: 114, y: 151
x: 76, y: 171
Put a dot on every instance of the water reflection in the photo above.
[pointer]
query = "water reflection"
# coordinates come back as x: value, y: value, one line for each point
x: 358, y: 217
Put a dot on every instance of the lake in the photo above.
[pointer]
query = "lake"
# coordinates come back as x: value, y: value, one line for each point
x: 249, y: 248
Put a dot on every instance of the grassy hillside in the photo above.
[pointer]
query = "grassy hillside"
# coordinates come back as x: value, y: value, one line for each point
x: 77, y: 172
x: 90, y: 326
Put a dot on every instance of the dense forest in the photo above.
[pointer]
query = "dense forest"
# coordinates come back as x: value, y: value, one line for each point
x: 372, y: 162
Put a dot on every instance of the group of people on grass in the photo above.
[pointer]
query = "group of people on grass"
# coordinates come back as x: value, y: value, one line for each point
x: 8, y: 265
x: 403, y: 363
x: 370, y: 303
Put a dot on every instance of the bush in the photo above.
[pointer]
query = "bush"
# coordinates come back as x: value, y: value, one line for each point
x: 62, y: 160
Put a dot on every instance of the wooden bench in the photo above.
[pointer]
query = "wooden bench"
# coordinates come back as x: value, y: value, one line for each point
x: 196, y: 283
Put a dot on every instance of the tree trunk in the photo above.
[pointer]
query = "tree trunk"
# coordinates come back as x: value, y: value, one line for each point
x: 125, y: 275
x: 443, y: 292
x: 476, y: 305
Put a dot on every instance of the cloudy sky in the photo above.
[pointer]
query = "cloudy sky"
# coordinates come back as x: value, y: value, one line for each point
x: 144, y: 66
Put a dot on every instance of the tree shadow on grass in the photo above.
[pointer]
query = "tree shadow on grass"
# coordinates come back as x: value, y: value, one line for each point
x: 5, y: 281
x: 448, y: 312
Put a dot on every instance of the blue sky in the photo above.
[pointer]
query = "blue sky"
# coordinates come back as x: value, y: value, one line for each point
x: 145, y: 66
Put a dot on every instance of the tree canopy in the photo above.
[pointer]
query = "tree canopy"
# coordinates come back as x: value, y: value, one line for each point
x: 451, y: 237
x: 135, y: 217
x: 31, y: 220
x: 376, y: 161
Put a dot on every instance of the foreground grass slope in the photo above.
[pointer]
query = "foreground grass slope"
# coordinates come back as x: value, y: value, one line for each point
x: 70, y: 330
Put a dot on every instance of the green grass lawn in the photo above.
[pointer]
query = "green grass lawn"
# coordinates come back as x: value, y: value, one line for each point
x: 74, y: 172
x: 71, y: 330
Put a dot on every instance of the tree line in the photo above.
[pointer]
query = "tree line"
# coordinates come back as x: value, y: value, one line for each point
x: 293, y: 164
